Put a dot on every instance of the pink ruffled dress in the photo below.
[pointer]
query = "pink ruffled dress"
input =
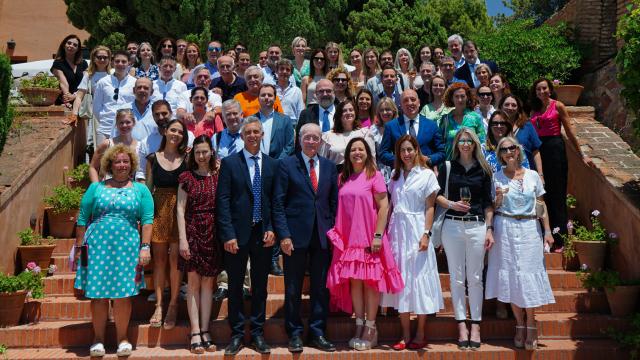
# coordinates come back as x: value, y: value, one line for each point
x: 351, y: 238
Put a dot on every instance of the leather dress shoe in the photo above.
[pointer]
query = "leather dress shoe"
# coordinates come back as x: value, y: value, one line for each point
x: 246, y: 294
x: 276, y: 269
x: 321, y: 343
x: 259, y: 345
x: 295, y: 344
x: 234, y: 346
x: 220, y: 294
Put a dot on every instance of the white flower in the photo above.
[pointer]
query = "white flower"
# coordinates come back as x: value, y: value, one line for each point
x: 556, y: 230
x: 613, y: 235
x: 595, y: 213
x: 584, y: 267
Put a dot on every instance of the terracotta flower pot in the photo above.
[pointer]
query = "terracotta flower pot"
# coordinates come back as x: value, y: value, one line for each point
x: 40, y: 254
x: 31, y: 312
x: 591, y: 253
x: 11, y: 305
x: 569, y: 94
x: 40, y: 96
x: 623, y: 299
x: 61, y: 225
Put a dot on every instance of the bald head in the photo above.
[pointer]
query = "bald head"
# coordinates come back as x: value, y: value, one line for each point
x: 410, y: 103
x: 324, y: 93
x: 225, y: 66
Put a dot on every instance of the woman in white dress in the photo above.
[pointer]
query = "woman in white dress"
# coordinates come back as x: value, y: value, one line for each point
x: 413, y: 189
x: 516, y: 272
x: 346, y: 126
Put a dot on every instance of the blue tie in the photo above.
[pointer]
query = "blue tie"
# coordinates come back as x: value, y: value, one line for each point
x: 412, y: 130
x: 325, y: 121
x: 256, y: 189
x: 232, y: 147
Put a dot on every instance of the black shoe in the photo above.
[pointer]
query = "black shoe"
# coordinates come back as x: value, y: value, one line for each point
x: 321, y: 343
x: 234, y: 346
x: 259, y: 345
x: 474, y: 345
x: 246, y: 294
x: 220, y: 294
x: 276, y: 269
x: 295, y: 344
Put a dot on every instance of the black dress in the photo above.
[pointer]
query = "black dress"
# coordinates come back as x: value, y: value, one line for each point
x: 73, y: 78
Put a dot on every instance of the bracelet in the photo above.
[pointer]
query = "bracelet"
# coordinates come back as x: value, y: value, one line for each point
x: 449, y: 204
x: 78, y: 246
x: 490, y: 227
x: 145, y: 246
x: 547, y: 232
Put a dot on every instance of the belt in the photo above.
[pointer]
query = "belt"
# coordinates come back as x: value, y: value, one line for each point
x: 465, y: 218
x: 517, y: 217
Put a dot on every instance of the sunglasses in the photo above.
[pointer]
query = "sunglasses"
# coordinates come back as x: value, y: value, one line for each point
x: 485, y: 94
x: 318, y: 58
x: 340, y: 80
x: 101, y: 57
x: 116, y: 91
x: 465, y: 141
x: 214, y: 48
x: 167, y: 46
x: 498, y: 124
x: 240, y: 49
x: 75, y: 44
x: 511, y: 148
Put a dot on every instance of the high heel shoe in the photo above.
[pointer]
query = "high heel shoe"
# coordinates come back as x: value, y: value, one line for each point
x: 474, y: 345
x: 463, y: 344
x: 208, y: 345
x: 358, y: 334
x: 531, y: 344
x: 519, y: 343
x: 196, y: 347
x: 371, y: 335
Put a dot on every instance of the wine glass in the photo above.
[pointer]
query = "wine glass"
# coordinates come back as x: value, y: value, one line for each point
x: 465, y: 194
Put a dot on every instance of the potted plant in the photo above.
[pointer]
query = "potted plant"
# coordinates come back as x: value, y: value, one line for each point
x: 622, y: 295
x: 572, y: 205
x: 79, y: 177
x: 62, y: 210
x: 589, y: 244
x: 40, y: 90
x: 628, y: 338
x: 15, y: 289
x: 567, y: 94
x: 33, y: 248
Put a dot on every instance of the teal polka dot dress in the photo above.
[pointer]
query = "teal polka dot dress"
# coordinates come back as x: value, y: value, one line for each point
x: 114, y: 244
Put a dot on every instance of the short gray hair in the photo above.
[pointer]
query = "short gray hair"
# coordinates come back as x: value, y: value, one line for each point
x: 230, y: 102
x: 250, y: 120
x: 255, y: 68
x: 306, y: 127
x: 429, y: 63
x: 455, y: 37
x: 284, y: 62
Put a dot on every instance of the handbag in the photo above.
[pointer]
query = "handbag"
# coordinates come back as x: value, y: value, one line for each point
x: 86, y: 106
x: 541, y: 209
x: 438, y: 218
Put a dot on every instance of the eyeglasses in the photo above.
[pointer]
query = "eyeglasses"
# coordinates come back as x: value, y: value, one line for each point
x: 511, y: 148
x: 485, y: 94
x: 465, y: 142
x: 240, y: 49
x: 340, y: 80
x: 318, y: 58
x: 167, y: 46
x: 215, y: 48
x: 499, y: 124
x: 101, y: 57
x: 115, y: 93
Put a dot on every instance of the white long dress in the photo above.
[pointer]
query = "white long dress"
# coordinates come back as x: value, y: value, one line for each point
x: 422, y: 293
x: 516, y: 273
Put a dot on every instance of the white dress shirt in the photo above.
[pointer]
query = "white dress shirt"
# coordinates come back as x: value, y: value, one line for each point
x: 251, y: 163
x: 316, y: 164
x: 170, y: 91
x: 267, y: 126
x: 104, y: 104
x: 416, y: 123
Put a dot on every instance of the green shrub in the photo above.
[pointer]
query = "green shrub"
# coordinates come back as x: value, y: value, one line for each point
x: 64, y: 198
x: 29, y: 279
x: 525, y: 53
x: 41, y: 80
x: 628, y: 59
x: 81, y: 172
x: 629, y: 338
x: 29, y: 238
x: 6, y: 112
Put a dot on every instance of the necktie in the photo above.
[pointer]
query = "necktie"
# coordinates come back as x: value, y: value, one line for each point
x: 256, y: 189
x: 325, y: 121
x: 164, y: 96
x: 232, y: 147
x: 412, y: 130
x: 312, y: 176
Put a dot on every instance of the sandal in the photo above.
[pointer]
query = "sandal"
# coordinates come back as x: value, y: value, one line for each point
x: 358, y: 334
x: 208, y: 345
x: 519, y: 342
x: 97, y: 350
x: 156, y: 318
x: 531, y: 344
x: 369, y: 332
x: 124, y: 349
x: 196, y: 347
x: 170, y: 318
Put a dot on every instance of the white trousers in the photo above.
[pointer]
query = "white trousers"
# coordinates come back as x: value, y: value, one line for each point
x: 463, y: 243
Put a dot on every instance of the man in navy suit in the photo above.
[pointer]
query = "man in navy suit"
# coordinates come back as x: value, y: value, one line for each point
x: 304, y: 209
x: 410, y: 122
x: 243, y: 210
x: 467, y: 72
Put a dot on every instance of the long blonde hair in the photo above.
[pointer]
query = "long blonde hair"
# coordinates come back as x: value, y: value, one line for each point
x: 92, y: 65
x: 477, y: 151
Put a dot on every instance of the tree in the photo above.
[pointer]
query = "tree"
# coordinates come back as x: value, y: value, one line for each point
x: 463, y: 17
x: 539, y: 10
x: 393, y: 24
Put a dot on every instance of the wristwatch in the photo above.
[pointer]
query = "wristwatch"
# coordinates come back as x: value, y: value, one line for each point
x: 427, y: 232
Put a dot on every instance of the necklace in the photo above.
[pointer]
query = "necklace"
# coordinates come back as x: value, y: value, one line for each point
x: 120, y: 183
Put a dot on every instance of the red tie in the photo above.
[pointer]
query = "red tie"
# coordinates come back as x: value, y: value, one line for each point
x: 312, y: 176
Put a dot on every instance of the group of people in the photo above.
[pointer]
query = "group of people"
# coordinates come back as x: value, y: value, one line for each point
x: 344, y: 171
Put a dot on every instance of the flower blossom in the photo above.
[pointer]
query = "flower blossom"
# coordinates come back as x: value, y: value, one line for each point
x: 584, y: 267
x: 556, y: 230
x: 613, y: 235
x: 36, y: 270
x: 31, y: 265
x: 595, y: 213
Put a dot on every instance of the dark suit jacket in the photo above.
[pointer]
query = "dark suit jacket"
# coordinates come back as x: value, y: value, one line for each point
x: 234, y: 198
x: 296, y: 207
x: 429, y: 138
x: 464, y: 73
x: 281, y: 144
x: 309, y: 115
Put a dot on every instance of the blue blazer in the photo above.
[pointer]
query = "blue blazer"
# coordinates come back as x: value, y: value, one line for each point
x: 234, y: 198
x: 463, y: 73
x: 296, y: 207
x: 281, y: 144
x: 429, y: 138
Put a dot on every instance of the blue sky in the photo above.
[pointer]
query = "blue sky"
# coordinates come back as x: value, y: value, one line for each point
x: 495, y: 7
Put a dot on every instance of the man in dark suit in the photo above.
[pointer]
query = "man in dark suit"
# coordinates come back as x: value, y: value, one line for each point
x: 467, y: 72
x: 243, y: 210
x: 277, y: 142
x: 320, y: 113
x: 410, y: 122
x: 304, y: 209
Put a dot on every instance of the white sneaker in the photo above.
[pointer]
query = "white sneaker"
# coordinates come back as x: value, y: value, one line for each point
x: 124, y: 349
x: 97, y: 350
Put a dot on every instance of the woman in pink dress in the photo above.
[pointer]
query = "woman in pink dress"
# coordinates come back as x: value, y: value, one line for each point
x: 362, y: 265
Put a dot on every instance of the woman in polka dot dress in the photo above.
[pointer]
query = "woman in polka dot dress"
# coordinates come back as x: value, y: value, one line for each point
x: 108, y: 224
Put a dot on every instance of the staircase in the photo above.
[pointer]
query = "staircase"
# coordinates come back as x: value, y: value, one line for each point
x: 569, y: 329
